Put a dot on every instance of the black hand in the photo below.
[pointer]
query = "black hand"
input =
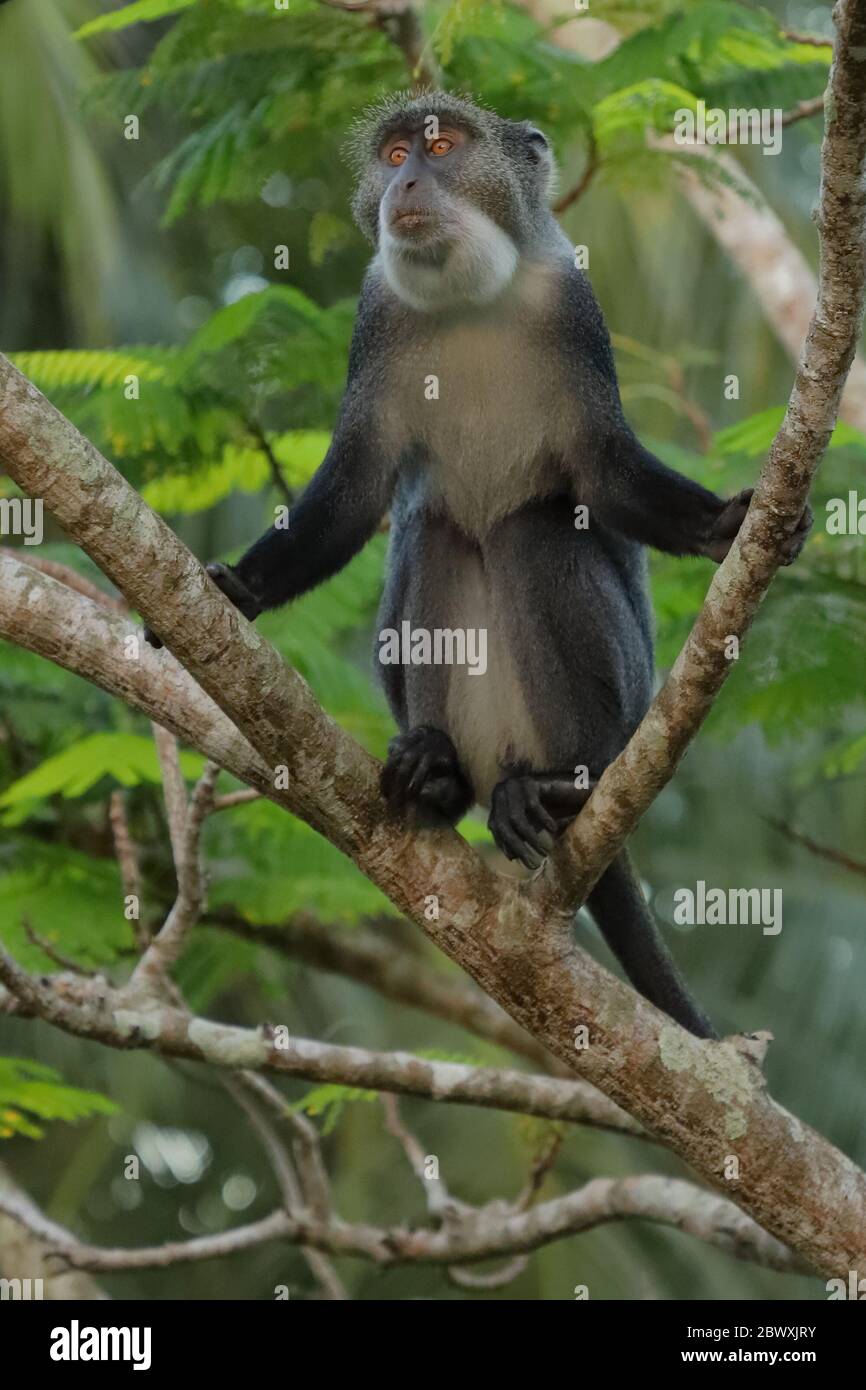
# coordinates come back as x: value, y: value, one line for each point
x: 731, y: 519
x: 235, y: 589
x: 226, y: 579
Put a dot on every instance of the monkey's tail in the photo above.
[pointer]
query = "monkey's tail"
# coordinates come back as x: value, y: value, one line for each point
x: 623, y: 917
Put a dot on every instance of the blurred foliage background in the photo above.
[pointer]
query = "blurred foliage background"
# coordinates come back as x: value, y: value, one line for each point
x: 157, y: 257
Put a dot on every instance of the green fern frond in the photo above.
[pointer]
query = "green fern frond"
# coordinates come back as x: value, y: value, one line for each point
x: 32, y: 1089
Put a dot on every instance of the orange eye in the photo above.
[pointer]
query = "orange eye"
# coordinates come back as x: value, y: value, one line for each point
x: 442, y: 146
x: 398, y: 155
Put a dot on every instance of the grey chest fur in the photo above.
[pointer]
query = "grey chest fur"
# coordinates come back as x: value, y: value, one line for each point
x: 490, y: 411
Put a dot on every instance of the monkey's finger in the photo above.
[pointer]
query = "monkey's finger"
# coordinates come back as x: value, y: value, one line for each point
x: 536, y: 811
x: 234, y: 589
x: 727, y: 524
x: 560, y: 794
x: 401, y: 773
x: 499, y: 825
x: 797, y: 540
x: 511, y: 845
x: 537, y: 840
x: 389, y: 773
x: 423, y: 768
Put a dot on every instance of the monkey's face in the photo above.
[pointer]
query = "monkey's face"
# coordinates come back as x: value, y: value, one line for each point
x: 426, y: 155
x: 451, y: 194
x: 419, y: 209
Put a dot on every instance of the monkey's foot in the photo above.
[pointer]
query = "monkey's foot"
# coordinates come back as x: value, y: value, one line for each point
x: 422, y: 771
x: 528, y: 811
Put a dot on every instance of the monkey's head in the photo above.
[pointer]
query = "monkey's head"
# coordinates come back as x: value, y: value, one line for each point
x: 451, y: 195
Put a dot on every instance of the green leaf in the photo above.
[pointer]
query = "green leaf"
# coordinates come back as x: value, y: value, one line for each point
x: 329, y: 1101
x: 73, y: 901
x: 129, y: 759
x: 299, y: 453
x: 136, y: 13
x: 754, y: 435
x: 31, y: 1088
x: 72, y: 368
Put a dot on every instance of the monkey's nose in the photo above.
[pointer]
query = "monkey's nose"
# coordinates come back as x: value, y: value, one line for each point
x: 410, y: 183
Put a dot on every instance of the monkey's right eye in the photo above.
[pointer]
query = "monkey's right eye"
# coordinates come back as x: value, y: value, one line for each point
x: 398, y: 155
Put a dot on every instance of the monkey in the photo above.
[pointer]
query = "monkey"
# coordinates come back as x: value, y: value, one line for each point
x: 482, y: 408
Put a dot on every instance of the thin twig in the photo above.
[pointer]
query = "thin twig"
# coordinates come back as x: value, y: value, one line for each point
x: 239, y: 798
x: 290, y: 1188
x: 828, y: 852
x: 127, y: 859
x: 166, y: 947
x: 590, y: 169
x: 669, y: 1202
x: 306, y: 1147
x: 65, y: 962
x: 263, y: 443
x: 440, y: 1204
x: 812, y: 40
x: 813, y: 106
x: 173, y: 789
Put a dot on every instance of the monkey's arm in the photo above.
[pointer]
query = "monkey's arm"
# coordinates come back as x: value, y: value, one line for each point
x: 345, y: 500
x: 636, y: 494
x: 625, y: 486
x: 337, y: 514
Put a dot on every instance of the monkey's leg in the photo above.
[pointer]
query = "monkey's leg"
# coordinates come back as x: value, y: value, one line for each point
x: 422, y: 772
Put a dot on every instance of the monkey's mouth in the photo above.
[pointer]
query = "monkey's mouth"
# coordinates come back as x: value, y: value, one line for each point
x: 411, y: 220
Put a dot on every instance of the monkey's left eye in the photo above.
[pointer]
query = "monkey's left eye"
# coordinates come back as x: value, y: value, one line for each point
x: 442, y: 146
x: 398, y: 155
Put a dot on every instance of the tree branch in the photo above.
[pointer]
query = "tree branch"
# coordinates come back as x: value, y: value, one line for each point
x: 128, y: 1018
x: 828, y: 852
x: 703, y: 1098
x: 484, y: 1234
x: 395, y: 973
x: 699, y: 1098
x: 167, y: 946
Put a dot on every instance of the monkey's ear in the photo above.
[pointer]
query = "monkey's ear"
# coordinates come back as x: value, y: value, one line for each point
x: 537, y: 142
x: 536, y: 147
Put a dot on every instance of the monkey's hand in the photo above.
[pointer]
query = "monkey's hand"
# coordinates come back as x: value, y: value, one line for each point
x: 730, y: 520
x: 232, y: 586
x: 235, y: 589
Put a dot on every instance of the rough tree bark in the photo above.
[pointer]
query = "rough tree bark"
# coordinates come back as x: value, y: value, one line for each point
x: 706, y: 1100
